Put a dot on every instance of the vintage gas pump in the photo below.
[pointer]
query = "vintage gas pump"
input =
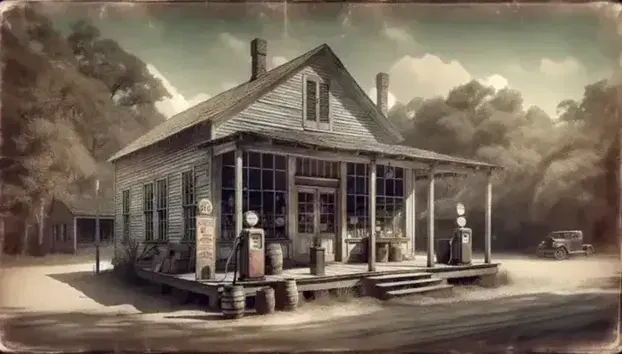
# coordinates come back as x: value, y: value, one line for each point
x: 461, y: 240
x: 252, y: 250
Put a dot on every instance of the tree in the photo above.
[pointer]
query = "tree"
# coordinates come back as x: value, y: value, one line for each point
x: 556, y: 174
x: 129, y: 82
x: 58, y: 125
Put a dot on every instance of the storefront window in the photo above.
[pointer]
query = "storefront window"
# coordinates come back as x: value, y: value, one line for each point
x: 265, y: 192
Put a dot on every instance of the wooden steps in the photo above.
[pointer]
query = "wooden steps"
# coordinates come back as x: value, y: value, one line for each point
x: 385, y: 287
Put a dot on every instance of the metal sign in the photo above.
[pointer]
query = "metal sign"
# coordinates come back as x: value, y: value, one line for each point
x: 460, y: 209
x: 205, y: 247
x: 205, y: 207
x: 461, y: 221
x: 465, y: 237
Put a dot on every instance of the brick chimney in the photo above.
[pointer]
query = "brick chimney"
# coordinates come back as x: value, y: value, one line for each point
x: 259, y: 51
x: 382, y: 92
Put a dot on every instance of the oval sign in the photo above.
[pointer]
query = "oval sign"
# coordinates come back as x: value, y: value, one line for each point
x: 205, y: 207
x: 461, y: 221
x: 460, y: 209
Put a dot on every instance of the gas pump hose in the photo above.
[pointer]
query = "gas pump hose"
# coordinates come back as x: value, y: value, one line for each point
x: 234, y: 250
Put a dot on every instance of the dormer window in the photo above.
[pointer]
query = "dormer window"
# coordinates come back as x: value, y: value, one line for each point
x: 316, y: 103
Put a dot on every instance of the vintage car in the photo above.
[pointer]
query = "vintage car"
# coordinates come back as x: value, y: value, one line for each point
x: 563, y: 244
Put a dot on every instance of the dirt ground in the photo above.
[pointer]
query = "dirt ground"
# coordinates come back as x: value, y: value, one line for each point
x: 64, y: 306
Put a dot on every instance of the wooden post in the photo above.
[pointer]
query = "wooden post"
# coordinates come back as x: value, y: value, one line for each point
x: 292, y: 207
x: 409, y: 208
x: 431, y: 260
x: 343, y: 212
x: 488, y: 220
x: 239, y: 185
x: 75, y: 235
x: 371, y: 256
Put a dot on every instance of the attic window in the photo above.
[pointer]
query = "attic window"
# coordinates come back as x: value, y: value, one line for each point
x: 316, y: 104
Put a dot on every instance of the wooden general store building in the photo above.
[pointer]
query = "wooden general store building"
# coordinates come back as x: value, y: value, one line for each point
x: 303, y: 146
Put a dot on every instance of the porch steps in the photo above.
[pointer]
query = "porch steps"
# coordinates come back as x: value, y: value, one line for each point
x: 389, y: 286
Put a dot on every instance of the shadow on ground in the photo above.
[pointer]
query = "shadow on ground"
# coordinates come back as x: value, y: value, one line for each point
x: 392, y: 325
x: 108, y: 290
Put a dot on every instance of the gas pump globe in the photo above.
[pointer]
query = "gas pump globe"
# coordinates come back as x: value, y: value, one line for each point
x: 252, y: 249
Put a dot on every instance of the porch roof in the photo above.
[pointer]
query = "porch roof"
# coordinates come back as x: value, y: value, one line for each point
x: 345, y: 143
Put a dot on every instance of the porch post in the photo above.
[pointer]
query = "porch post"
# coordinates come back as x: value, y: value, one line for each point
x: 75, y: 234
x: 488, y: 220
x: 431, y: 260
x: 409, y: 211
x: 238, y: 190
x: 371, y: 249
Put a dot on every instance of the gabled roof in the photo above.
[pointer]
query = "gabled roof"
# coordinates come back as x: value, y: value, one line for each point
x: 88, y: 206
x: 228, y: 103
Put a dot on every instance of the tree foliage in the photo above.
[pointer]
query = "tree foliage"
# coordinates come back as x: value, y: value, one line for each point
x: 60, y: 120
x: 557, y: 173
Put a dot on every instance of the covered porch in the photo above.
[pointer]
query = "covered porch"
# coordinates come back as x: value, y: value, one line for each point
x: 333, y: 189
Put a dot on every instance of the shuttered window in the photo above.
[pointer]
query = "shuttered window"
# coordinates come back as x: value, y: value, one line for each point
x: 148, y: 210
x: 125, y: 201
x: 162, y: 208
x: 316, y: 104
x: 189, y: 205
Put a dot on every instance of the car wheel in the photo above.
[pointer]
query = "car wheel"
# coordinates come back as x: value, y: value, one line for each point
x: 561, y: 253
x: 589, y: 250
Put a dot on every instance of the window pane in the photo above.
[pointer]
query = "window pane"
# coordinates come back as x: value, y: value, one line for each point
x: 254, y: 202
x: 280, y: 203
x: 268, y: 203
x: 254, y: 159
x: 228, y: 177
x: 280, y: 180
x: 267, y: 180
x: 267, y: 161
x: 228, y: 159
x: 280, y: 162
x: 254, y: 179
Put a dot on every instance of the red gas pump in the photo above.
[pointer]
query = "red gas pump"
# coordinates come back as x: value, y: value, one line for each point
x: 252, y: 249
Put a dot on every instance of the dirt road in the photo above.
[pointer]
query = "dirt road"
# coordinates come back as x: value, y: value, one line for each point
x: 66, y: 308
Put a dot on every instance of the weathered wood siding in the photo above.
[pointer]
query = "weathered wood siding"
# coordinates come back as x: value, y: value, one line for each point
x: 282, y: 108
x: 168, y: 159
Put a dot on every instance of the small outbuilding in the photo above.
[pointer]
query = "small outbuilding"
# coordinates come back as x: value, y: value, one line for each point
x: 71, y: 223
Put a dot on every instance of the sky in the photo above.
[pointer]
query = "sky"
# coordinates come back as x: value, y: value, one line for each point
x: 198, y: 50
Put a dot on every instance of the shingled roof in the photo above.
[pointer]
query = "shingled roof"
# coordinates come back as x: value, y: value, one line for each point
x: 227, y: 103
x: 332, y: 141
x: 89, y: 207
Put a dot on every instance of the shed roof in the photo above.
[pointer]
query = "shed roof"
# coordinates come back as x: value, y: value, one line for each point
x: 89, y: 206
x: 227, y: 103
x: 332, y: 141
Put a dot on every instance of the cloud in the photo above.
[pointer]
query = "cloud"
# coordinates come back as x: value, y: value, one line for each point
x: 278, y: 61
x: 567, y: 66
x: 372, y: 94
x: 177, y: 102
x: 497, y: 81
x: 396, y: 34
x: 425, y: 76
x: 233, y: 42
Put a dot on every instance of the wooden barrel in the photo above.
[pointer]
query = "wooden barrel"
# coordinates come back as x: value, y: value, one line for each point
x: 382, y: 252
x: 264, y: 301
x: 233, y: 301
x: 395, y: 253
x: 274, y: 259
x: 287, y: 295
